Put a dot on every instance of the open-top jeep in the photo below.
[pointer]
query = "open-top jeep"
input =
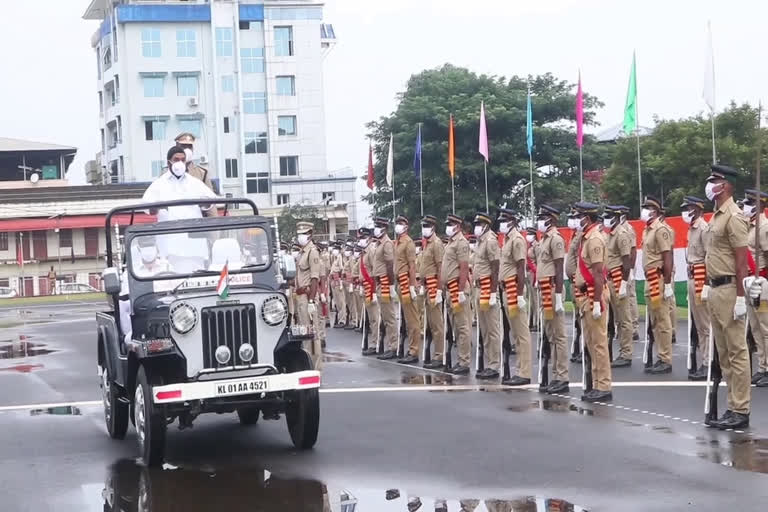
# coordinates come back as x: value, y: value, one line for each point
x: 199, y: 325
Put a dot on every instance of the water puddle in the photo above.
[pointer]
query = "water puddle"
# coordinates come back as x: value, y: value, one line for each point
x: 22, y: 349
x: 336, y: 357
x: 561, y: 407
x: 130, y: 487
x: 425, y: 379
x: 67, y: 410
x: 744, y: 453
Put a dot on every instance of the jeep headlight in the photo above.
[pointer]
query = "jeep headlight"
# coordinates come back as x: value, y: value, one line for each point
x: 183, y: 317
x: 274, y: 311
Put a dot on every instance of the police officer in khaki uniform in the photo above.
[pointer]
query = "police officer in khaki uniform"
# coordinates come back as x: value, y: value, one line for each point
x: 325, y: 303
x: 187, y: 140
x: 308, y: 271
x: 531, y: 286
x: 512, y: 278
x: 658, y: 242
x: 337, y: 284
x: 590, y: 282
x: 726, y: 268
x: 631, y: 284
x: 758, y: 315
x: 384, y: 273
x: 348, y: 284
x: 431, y: 261
x: 671, y: 301
x: 355, y: 296
x: 571, y: 260
x: 405, y: 272
x: 368, y: 284
x: 617, y: 264
x: 454, y: 279
x: 549, y: 269
x: 695, y: 255
x: 486, y: 276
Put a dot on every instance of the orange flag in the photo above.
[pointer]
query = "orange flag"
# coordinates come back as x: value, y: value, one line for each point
x: 451, y: 149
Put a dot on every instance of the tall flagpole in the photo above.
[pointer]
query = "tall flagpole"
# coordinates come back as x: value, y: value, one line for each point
x: 421, y: 173
x: 637, y: 136
x: 714, y: 151
x: 485, y: 170
x: 453, y: 196
x: 533, y: 202
x: 581, y: 172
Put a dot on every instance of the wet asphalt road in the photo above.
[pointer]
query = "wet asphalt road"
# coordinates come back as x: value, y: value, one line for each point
x: 387, y: 431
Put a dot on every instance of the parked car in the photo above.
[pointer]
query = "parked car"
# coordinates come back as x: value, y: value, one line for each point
x: 70, y: 288
x: 7, y: 293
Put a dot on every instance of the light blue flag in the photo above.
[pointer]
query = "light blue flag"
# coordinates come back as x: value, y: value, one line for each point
x: 529, y: 125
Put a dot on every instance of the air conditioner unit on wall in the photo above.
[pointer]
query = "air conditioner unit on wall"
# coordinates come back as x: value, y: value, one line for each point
x: 193, y: 101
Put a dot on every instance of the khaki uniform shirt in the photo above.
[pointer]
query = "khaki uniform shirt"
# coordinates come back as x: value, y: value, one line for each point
x: 337, y: 263
x: 309, y: 265
x: 533, y: 250
x: 619, y: 245
x: 487, y: 251
x: 657, y: 238
x: 728, y: 230
x: 385, y: 254
x: 513, y: 251
x: 348, y: 269
x: 405, y: 254
x: 551, y: 248
x: 571, y: 262
x: 326, y: 259
x: 355, y: 267
x: 431, y: 257
x: 201, y: 173
x: 456, y: 252
x: 592, y: 251
x: 698, y: 240
x: 763, y: 240
x: 368, y: 256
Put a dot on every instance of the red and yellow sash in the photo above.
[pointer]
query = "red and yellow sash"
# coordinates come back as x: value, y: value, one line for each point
x: 751, y: 264
x: 369, y: 284
x: 453, y: 290
x: 616, y: 274
x: 385, y: 283
x: 545, y: 286
x: 405, y: 287
x: 510, y: 287
x: 431, y: 283
x: 699, y: 271
x: 653, y: 278
x: 368, y: 292
x: 485, y: 292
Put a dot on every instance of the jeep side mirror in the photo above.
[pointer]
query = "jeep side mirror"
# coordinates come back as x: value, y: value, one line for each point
x: 288, y: 266
x: 111, y: 281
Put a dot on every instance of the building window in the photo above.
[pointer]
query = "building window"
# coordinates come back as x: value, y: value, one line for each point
x: 65, y: 238
x: 257, y: 183
x: 185, y: 43
x: 252, y: 60
x: 3, y: 241
x: 283, y: 199
x: 226, y: 124
x: 245, y: 25
x: 289, y: 166
x: 150, y: 42
x: 154, y: 130
x: 101, y: 103
x: 186, y: 85
x: 231, y: 167
x: 157, y: 168
x: 283, y: 41
x: 227, y: 83
x: 286, y: 125
x: 153, y: 86
x: 329, y: 196
x: 255, y: 142
x: 224, y: 42
x: 193, y: 126
x: 286, y: 86
x: 255, y: 102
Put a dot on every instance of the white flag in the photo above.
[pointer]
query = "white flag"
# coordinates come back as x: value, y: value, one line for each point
x: 390, y: 161
x: 708, y: 92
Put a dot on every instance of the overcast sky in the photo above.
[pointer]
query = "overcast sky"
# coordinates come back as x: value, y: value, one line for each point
x: 48, y: 84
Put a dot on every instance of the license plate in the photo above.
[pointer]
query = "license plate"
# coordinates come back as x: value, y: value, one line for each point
x: 242, y: 387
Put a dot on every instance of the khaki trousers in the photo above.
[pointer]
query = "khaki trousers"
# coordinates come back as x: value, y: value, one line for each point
x: 372, y: 310
x: 349, y: 297
x: 672, y: 304
x: 520, y: 335
x: 700, y: 314
x: 489, y: 323
x: 461, y: 320
x: 435, y: 321
x: 314, y: 346
x: 731, y: 346
x: 358, y: 305
x: 596, y: 339
x: 388, y: 311
x: 412, y: 325
x: 758, y: 322
x: 622, y: 317
x: 632, y: 296
x: 341, y: 302
x: 555, y: 331
x: 662, y: 328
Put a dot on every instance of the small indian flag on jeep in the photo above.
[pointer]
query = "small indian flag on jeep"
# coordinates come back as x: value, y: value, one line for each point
x: 223, y: 287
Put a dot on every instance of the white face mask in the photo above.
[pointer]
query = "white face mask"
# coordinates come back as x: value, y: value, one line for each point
x: 178, y: 169
x: 148, y: 254
x: 295, y: 253
x: 451, y: 230
x: 347, y: 253
x: 400, y: 229
x: 687, y: 217
x: 573, y: 223
x: 479, y: 230
x: 363, y: 242
x: 426, y: 232
x: 377, y: 232
x: 749, y: 210
x: 608, y: 223
x: 303, y: 240
x: 472, y: 247
x: 530, y: 238
x: 541, y: 226
x: 335, y: 252
x: 645, y: 214
x: 710, y: 192
x: 504, y: 227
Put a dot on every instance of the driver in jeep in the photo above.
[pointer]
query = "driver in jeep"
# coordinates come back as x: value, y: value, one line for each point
x: 151, y: 263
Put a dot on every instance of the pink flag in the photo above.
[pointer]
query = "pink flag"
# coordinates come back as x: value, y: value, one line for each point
x: 483, y: 133
x: 579, y: 115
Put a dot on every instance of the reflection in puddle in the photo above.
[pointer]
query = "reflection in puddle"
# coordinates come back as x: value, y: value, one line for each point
x: 417, y: 378
x: 67, y: 410
x: 22, y: 349
x: 558, y: 406
x: 336, y: 357
x: 22, y: 368
x: 743, y: 453
x: 130, y: 487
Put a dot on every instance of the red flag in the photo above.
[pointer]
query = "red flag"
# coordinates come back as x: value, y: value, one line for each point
x: 370, y: 167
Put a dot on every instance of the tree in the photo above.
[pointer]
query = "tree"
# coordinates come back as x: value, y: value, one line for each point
x: 288, y: 218
x: 676, y: 158
x: 433, y: 95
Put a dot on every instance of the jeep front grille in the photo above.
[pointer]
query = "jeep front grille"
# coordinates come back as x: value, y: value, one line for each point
x: 231, y: 326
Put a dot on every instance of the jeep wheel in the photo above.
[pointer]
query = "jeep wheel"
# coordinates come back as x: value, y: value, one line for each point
x: 248, y: 415
x: 302, y: 414
x: 150, y: 423
x: 115, y: 409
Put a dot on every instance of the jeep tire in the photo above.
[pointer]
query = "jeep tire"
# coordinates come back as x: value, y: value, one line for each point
x: 248, y: 415
x: 115, y: 407
x: 302, y: 413
x: 150, y: 422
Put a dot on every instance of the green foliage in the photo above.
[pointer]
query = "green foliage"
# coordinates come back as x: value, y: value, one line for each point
x: 676, y: 157
x: 287, y: 220
x: 433, y: 95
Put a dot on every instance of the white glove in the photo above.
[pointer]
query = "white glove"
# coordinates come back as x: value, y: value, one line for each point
x: 322, y: 298
x: 311, y: 309
x: 393, y: 292
x: 740, y: 308
x: 669, y: 290
x: 597, y: 310
x: 521, y: 302
x: 422, y: 291
x: 756, y: 288
x: 288, y: 293
x: 559, y: 303
x: 412, y: 291
x: 623, y: 290
x: 462, y: 298
x: 493, y: 300
x: 361, y: 291
x: 631, y: 274
x: 374, y: 299
x: 705, y: 293
x: 439, y: 297
x: 351, y: 288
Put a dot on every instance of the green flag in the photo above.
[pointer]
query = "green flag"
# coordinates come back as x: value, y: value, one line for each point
x: 630, y: 108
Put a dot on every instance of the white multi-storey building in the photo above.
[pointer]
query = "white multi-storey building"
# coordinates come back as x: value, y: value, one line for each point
x: 244, y: 76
